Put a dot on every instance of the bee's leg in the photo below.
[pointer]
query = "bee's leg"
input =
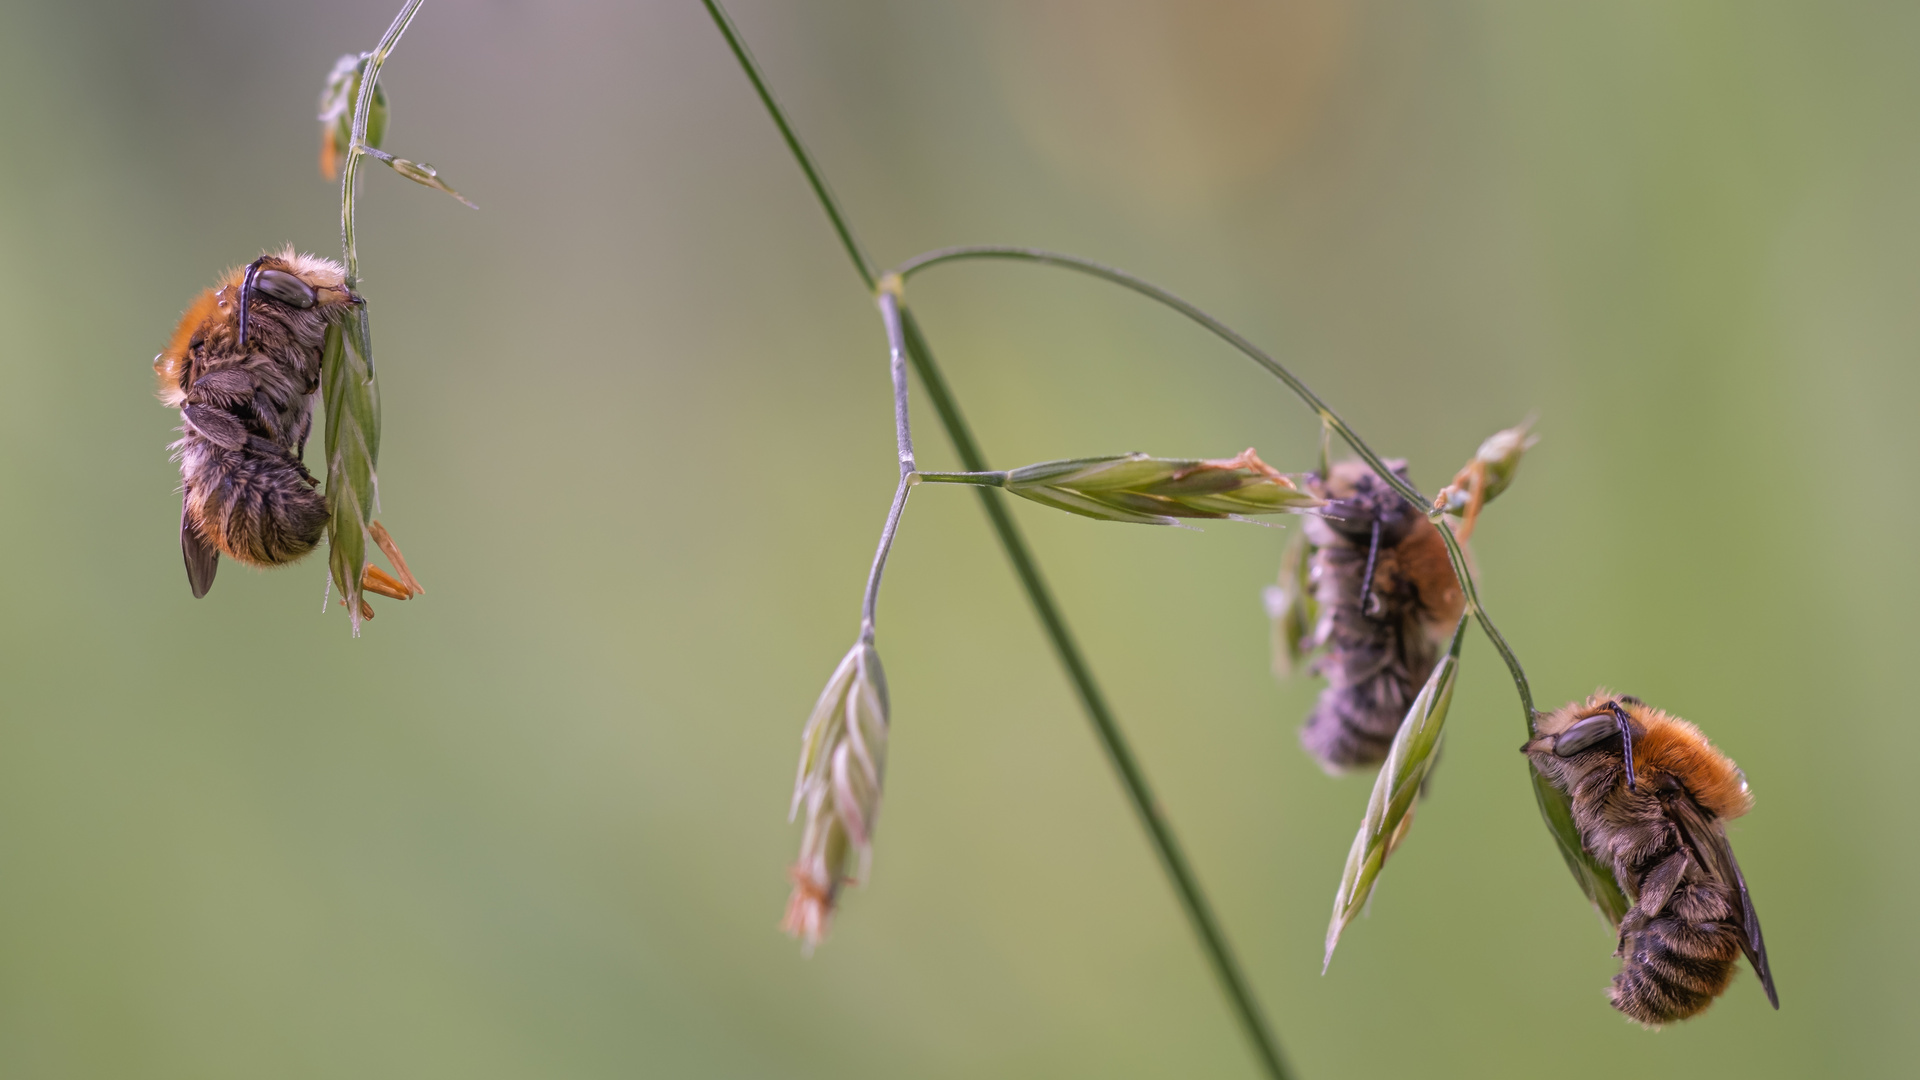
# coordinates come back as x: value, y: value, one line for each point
x: 385, y: 540
x: 266, y: 448
x: 219, y: 428
x: 1656, y: 888
x: 263, y: 412
x: 221, y: 389
x: 301, y: 430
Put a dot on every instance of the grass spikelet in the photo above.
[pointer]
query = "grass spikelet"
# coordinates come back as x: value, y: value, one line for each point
x: 1390, y: 810
x: 352, y: 398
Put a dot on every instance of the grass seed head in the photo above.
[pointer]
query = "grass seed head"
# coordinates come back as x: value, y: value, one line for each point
x: 1158, y: 491
x: 843, y: 753
x: 1490, y: 472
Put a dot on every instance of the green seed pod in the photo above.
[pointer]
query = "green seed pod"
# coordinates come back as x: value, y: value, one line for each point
x: 1157, y: 491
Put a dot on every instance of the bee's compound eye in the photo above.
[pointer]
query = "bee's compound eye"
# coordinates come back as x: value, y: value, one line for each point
x: 1584, y: 735
x: 285, y: 288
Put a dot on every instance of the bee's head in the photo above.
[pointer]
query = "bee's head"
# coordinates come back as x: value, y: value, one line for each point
x: 219, y: 317
x: 1586, y: 735
x: 284, y: 277
x: 1357, y: 498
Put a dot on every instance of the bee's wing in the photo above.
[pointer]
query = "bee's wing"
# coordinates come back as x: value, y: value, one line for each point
x: 202, y: 558
x: 1753, y: 944
x: 1709, y: 843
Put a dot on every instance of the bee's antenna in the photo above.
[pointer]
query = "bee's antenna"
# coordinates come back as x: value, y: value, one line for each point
x: 246, y: 294
x: 1625, y: 724
x: 1373, y: 550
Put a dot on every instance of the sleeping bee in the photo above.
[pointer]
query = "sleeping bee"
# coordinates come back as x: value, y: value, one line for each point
x: 1649, y: 796
x: 243, y: 368
x: 1387, y: 600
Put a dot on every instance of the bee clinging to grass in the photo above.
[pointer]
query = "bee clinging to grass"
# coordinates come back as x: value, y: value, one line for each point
x: 1387, y: 601
x: 1650, y: 794
x: 244, y: 369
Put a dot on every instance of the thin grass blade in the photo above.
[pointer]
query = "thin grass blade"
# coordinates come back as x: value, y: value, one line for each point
x: 1390, y: 810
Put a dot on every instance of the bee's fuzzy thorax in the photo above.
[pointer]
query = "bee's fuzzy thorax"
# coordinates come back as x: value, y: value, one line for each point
x: 1671, y: 745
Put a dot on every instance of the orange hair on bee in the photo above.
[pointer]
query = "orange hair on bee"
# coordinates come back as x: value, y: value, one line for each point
x: 1673, y: 746
x: 170, y: 366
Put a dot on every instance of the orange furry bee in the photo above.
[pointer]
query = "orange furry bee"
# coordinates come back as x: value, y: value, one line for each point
x: 1650, y: 794
x: 243, y: 368
x: 1387, y: 602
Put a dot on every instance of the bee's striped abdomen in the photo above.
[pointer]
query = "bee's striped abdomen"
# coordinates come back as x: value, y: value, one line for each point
x: 1678, y: 963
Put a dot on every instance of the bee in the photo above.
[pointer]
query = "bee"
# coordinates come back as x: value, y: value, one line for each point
x: 1650, y: 794
x: 1388, y: 601
x: 243, y: 368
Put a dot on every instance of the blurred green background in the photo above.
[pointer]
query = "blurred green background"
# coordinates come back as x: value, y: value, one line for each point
x: 638, y: 448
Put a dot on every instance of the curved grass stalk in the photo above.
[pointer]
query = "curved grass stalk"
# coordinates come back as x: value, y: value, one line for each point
x: 1119, y: 753
x: 357, y: 146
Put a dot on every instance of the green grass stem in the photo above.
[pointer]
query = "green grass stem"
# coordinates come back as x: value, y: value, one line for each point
x: 1119, y: 753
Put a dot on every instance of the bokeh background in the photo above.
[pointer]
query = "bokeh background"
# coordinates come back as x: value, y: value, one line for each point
x: 638, y: 447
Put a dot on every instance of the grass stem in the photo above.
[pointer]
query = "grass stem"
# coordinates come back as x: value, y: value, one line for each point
x: 977, y: 479
x: 903, y: 438
x: 1093, y: 701
x: 362, y: 109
